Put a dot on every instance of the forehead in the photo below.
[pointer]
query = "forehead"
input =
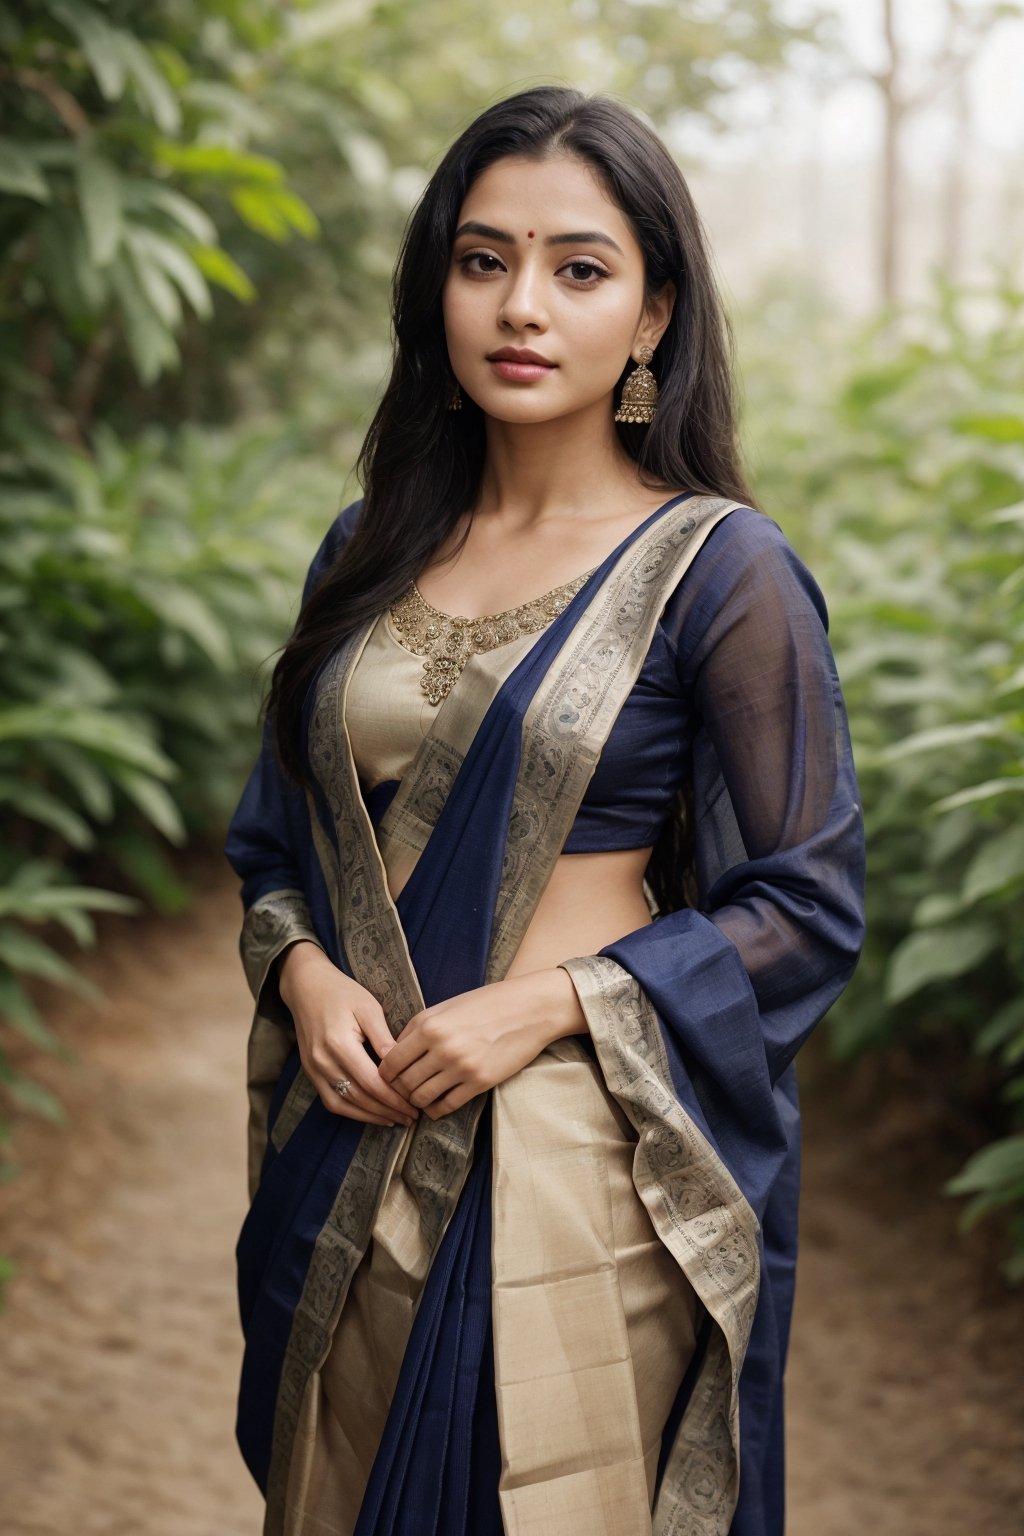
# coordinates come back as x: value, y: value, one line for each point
x: 557, y: 193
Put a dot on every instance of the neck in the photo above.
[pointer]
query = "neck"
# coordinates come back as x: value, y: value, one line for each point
x: 539, y: 472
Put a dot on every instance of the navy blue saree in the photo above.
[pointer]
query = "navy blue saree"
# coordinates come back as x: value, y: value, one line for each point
x: 695, y: 1020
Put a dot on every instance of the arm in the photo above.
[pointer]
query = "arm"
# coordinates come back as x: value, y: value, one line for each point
x: 779, y: 827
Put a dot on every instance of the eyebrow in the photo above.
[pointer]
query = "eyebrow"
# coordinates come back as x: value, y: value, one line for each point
x: 576, y: 237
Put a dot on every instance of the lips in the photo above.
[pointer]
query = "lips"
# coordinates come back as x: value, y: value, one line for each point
x: 519, y: 355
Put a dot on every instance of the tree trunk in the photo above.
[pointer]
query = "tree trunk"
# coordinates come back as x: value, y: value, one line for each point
x: 955, y: 191
x: 891, y: 210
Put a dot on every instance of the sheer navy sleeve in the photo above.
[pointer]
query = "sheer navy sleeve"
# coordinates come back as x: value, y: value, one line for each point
x: 779, y: 828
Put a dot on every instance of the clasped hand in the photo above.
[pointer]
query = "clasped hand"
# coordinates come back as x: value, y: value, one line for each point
x: 456, y: 1049
x: 445, y: 1055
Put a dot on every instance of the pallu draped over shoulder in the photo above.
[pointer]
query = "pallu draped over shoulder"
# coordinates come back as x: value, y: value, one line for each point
x: 443, y: 1333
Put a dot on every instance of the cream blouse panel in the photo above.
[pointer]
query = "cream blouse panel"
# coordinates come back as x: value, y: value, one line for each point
x: 388, y: 719
x: 387, y: 713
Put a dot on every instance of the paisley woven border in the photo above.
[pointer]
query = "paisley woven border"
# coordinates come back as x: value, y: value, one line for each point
x: 706, y: 1222
x: 375, y: 947
x: 270, y: 925
x: 569, y: 719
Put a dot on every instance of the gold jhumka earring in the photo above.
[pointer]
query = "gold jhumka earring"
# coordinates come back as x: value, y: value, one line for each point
x: 639, y: 393
x: 455, y: 397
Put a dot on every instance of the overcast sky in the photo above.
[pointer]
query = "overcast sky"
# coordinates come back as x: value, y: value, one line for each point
x: 842, y: 122
x: 794, y: 182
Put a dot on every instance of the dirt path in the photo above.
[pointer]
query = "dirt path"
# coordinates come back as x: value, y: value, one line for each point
x: 119, y: 1346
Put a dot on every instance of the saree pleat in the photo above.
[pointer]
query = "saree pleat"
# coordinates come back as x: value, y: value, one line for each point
x: 526, y: 1318
x: 435, y: 1427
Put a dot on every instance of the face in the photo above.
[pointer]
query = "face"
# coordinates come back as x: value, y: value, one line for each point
x: 544, y: 261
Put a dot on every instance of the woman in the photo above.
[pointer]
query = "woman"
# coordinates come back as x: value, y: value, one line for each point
x: 552, y: 858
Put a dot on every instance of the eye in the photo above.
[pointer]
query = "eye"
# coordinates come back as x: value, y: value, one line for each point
x: 464, y: 262
x: 591, y: 268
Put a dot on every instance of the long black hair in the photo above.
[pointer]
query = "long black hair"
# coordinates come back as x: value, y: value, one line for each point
x: 421, y: 464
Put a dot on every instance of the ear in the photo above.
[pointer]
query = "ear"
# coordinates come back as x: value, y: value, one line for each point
x: 656, y: 316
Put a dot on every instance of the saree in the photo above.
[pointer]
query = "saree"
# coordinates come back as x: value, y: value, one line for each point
x: 694, y: 1022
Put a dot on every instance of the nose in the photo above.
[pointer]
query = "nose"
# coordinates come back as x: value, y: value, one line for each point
x: 522, y: 304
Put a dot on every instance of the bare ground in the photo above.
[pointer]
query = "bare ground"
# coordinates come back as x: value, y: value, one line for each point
x: 120, y: 1346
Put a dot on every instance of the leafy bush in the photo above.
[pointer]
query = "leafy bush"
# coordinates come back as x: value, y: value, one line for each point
x: 140, y: 580
x: 912, y: 470
x: 142, y: 588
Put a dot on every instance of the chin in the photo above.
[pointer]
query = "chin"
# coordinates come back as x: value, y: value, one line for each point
x: 524, y: 409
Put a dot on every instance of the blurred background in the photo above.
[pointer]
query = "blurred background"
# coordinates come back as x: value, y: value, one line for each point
x: 200, y: 206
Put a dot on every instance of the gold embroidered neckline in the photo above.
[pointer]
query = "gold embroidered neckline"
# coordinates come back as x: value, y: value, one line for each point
x: 447, y: 640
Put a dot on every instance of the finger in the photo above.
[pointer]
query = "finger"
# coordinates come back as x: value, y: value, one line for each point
x: 375, y: 1027
x: 370, y: 1104
x: 434, y: 1088
x: 407, y: 1049
x: 357, y: 1106
x: 415, y: 1075
x: 366, y: 1077
x: 452, y: 1100
x: 350, y: 1112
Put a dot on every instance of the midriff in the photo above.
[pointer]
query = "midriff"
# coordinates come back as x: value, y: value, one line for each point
x: 591, y: 900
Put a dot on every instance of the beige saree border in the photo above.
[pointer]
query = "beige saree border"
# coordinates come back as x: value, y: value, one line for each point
x: 705, y: 1221
x: 435, y: 1155
x: 563, y: 733
x: 417, y: 803
x: 574, y: 709
x: 270, y: 925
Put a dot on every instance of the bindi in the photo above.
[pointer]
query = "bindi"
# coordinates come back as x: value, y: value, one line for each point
x: 529, y: 234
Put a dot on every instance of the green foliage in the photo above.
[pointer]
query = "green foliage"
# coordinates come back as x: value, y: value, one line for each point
x: 139, y: 587
x: 912, y: 463
x: 141, y: 577
x: 118, y: 161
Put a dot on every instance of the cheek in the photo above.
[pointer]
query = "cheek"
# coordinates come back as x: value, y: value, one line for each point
x: 462, y: 316
x: 453, y: 312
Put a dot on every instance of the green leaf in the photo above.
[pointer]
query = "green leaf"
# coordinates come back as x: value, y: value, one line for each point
x: 95, y: 37
x: 141, y: 861
x: 85, y: 777
x: 1000, y: 429
x: 296, y: 212
x: 999, y: 1164
x: 151, y: 344
x: 37, y: 1099
x: 153, y: 92
x: 257, y: 208
x: 990, y: 790
x: 154, y: 802
x: 20, y: 174
x: 1011, y: 514
x: 939, y: 907
x: 218, y: 162
x: 1003, y: 1024
x: 223, y: 270
x: 22, y: 952
x: 99, y: 197
x: 936, y: 955
x: 1012, y: 684
x: 156, y: 287
x: 181, y: 609
x: 20, y: 1013
x: 98, y: 732
x: 59, y: 898
x: 195, y: 221
x: 996, y: 865
x: 149, y: 247
x: 943, y: 736
x: 38, y: 804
